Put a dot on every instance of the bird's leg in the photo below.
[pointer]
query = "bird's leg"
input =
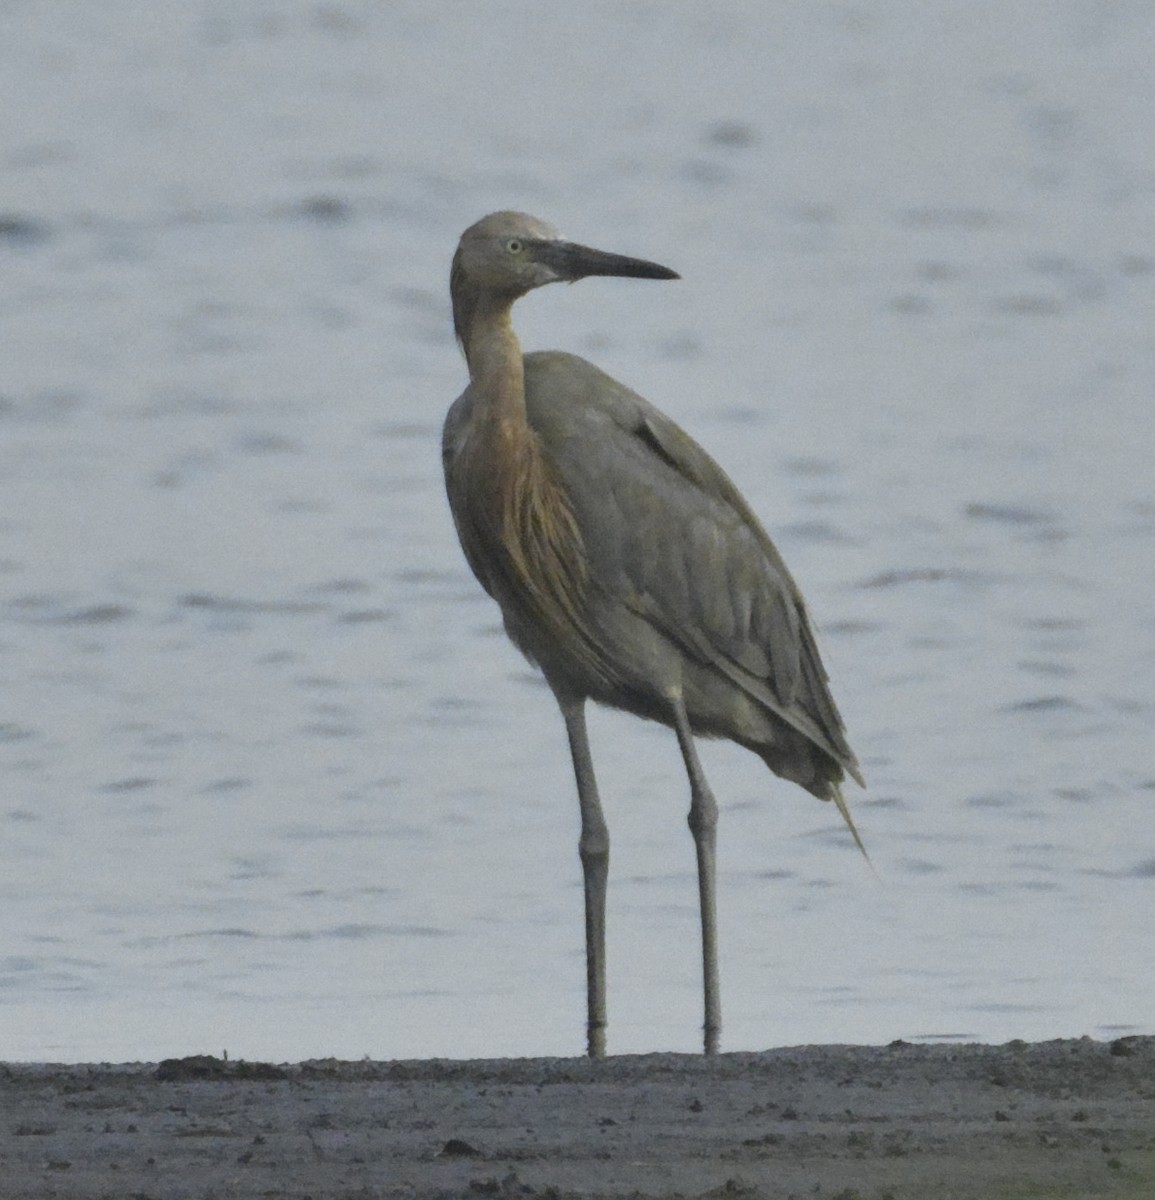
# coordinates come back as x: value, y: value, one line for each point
x: 703, y: 820
x: 594, y: 850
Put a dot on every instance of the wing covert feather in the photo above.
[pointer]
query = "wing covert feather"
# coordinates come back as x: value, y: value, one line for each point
x: 671, y: 537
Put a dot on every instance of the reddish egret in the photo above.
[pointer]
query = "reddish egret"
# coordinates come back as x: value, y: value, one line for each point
x: 627, y: 566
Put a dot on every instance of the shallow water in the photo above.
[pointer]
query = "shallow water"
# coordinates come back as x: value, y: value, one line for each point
x: 275, y: 783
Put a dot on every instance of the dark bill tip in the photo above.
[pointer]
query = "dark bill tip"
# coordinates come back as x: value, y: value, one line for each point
x: 572, y: 261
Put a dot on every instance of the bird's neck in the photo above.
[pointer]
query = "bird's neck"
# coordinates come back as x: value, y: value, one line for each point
x: 496, y: 369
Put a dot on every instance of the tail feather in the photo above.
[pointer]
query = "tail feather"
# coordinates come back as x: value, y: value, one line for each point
x: 819, y: 772
x: 840, y: 801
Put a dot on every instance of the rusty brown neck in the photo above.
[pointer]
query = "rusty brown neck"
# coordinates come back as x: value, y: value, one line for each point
x: 496, y: 370
x: 534, y: 543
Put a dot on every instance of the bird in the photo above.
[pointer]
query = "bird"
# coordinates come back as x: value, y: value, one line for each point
x: 627, y: 566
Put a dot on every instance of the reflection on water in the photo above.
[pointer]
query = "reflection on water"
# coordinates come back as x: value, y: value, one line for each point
x: 273, y: 780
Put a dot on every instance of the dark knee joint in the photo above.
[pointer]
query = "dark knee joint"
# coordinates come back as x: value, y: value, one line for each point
x: 594, y: 847
x: 703, y: 816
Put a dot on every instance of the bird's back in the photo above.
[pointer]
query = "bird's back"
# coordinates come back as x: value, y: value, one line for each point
x: 685, y: 586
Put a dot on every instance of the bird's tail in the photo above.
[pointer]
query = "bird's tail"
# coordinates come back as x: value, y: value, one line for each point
x: 840, y: 800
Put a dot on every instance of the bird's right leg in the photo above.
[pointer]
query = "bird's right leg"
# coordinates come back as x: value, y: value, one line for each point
x: 703, y: 821
x: 594, y: 849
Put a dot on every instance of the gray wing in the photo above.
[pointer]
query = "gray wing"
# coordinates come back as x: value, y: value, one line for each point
x: 671, y: 536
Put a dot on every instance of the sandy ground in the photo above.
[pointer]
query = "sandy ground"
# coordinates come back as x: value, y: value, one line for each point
x: 1056, y: 1119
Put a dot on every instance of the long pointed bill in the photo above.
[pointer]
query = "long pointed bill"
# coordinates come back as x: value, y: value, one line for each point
x: 572, y: 262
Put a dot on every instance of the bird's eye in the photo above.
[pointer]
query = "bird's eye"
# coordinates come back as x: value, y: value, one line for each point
x: 514, y: 246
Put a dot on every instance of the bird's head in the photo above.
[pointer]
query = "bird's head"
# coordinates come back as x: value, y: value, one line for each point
x: 507, y: 254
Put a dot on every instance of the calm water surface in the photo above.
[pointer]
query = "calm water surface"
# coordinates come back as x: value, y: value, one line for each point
x: 273, y: 781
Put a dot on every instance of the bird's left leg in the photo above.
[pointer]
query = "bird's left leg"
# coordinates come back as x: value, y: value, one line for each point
x: 703, y: 821
x: 594, y: 850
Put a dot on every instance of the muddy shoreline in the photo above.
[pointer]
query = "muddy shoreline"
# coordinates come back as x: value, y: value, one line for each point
x: 1055, y: 1119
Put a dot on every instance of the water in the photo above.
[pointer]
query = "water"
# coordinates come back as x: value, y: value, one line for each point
x: 273, y: 780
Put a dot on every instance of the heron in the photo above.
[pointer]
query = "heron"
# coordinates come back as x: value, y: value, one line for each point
x: 627, y: 566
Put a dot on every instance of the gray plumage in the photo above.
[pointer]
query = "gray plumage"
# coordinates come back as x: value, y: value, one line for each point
x: 627, y: 565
